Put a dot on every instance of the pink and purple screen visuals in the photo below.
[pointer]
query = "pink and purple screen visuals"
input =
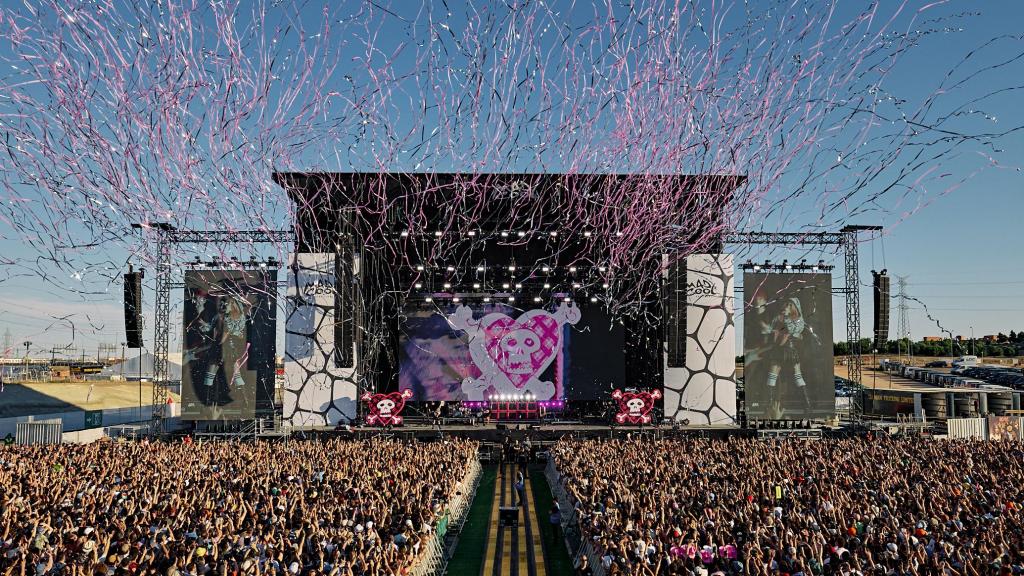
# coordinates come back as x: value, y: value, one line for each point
x: 479, y: 352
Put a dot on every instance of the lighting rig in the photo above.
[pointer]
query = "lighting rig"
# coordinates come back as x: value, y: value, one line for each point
x: 786, y: 266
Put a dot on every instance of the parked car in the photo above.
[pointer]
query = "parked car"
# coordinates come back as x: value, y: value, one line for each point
x: 937, y: 364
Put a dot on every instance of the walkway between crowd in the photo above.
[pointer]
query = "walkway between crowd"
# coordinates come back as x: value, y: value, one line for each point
x: 514, y: 550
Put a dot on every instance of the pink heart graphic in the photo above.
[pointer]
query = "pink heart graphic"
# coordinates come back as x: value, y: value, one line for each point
x: 524, y: 347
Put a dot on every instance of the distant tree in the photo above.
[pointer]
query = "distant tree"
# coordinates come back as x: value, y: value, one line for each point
x: 1001, y: 338
x: 995, y: 351
x: 1013, y: 336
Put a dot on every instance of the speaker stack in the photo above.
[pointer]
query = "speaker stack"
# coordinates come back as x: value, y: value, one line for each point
x: 675, y: 313
x: 881, y: 308
x: 133, y: 308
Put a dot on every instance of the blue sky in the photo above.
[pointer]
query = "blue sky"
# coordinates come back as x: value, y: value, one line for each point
x: 959, y: 250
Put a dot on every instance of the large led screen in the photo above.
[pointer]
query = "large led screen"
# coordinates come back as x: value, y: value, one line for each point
x: 229, y: 344
x: 787, y: 346
x: 461, y: 352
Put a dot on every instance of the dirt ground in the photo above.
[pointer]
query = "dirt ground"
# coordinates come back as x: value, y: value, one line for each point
x: 50, y: 397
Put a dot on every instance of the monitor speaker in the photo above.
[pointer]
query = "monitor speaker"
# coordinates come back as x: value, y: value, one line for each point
x: 344, y: 307
x: 133, y: 309
x: 674, y: 306
x: 508, y: 516
x: 881, y: 308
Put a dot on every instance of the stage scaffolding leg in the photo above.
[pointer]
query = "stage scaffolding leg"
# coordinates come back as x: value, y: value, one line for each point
x: 161, y: 329
x: 853, y: 317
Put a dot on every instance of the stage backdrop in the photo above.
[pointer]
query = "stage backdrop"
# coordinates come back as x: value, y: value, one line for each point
x: 704, y: 392
x: 459, y: 352
x: 787, y: 346
x: 229, y: 344
x: 316, y: 392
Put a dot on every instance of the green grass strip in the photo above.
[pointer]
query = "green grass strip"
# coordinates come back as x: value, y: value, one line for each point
x: 469, y: 554
x: 558, y: 560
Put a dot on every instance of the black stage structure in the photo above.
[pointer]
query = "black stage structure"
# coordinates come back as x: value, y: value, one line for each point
x: 405, y: 239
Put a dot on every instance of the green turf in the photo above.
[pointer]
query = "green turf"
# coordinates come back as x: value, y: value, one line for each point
x: 558, y: 560
x: 469, y: 554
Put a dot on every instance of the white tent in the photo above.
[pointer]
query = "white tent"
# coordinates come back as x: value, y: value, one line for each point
x: 131, y: 367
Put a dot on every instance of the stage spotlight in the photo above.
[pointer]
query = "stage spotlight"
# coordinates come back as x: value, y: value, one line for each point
x: 757, y: 267
x: 447, y: 285
x: 476, y: 285
x: 520, y: 233
x: 787, y: 265
x: 511, y: 268
x: 505, y: 286
x: 504, y: 234
x: 587, y: 233
x: 572, y: 269
x: 605, y: 285
x: 479, y: 268
x: 487, y: 298
x: 518, y: 286
x: 536, y: 299
x: 567, y: 299
x: 450, y: 268
x: 471, y: 233
x: 618, y: 233
x: 601, y: 269
x: 419, y: 267
x: 511, y: 299
x: 405, y: 233
x: 456, y: 299
x: 593, y: 298
x: 576, y: 285
x: 437, y: 234
x: 553, y: 233
x: 546, y: 285
x: 419, y: 285
x: 545, y: 269
x: 428, y: 299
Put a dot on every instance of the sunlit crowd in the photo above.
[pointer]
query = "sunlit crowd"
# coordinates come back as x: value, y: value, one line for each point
x: 338, y: 508
x: 799, y: 508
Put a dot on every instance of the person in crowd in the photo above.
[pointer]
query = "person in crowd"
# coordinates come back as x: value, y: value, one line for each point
x: 324, y: 508
x: 899, y: 507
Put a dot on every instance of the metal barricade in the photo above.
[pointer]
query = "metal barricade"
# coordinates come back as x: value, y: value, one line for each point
x: 40, y: 432
x: 575, y: 543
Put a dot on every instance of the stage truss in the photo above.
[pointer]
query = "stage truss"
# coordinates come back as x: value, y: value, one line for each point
x: 167, y: 236
x: 847, y: 239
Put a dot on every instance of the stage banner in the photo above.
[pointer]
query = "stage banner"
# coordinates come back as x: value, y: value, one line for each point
x: 635, y: 407
x: 316, y: 393
x: 704, y: 392
x: 229, y: 343
x: 385, y: 409
x: 1003, y: 428
x: 787, y: 346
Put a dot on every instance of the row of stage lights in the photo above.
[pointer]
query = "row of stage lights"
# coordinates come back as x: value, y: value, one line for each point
x: 502, y: 234
x: 787, y: 266
x: 233, y: 262
x: 509, y: 299
x: 511, y: 268
x: 512, y: 398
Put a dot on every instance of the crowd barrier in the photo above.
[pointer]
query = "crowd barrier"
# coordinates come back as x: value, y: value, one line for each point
x: 434, y: 559
x: 76, y: 420
x: 1008, y: 428
x: 574, y: 541
x: 39, y: 432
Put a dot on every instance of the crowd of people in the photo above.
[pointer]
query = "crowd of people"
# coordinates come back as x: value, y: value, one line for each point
x: 902, y: 507
x: 297, y: 508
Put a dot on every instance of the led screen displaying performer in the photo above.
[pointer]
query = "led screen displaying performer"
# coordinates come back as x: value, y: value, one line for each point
x: 473, y: 353
x: 788, y: 346
x: 229, y: 345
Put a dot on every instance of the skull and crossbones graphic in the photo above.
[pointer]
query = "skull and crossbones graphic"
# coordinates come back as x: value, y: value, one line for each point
x: 512, y: 354
x: 635, y: 407
x: 385, y: 409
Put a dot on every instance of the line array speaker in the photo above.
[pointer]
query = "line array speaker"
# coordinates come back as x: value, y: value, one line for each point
x: 881, y: 308
x: 133, y: 309
x: 675, y: 313
x: 344, y: 307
